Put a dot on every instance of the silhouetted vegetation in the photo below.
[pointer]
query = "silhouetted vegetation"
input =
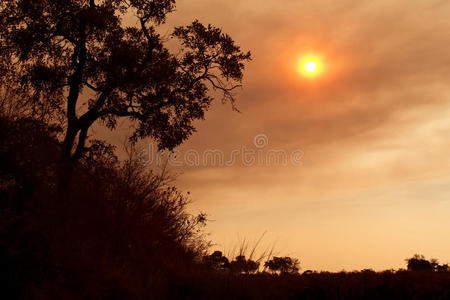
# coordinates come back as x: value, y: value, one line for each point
x: 419, y: 263
x: 81, y: 62
x: 75, y: 221
x: 216, y: 261
x: 283, y: 265
x: 78, y: 223
x: 119, y: 229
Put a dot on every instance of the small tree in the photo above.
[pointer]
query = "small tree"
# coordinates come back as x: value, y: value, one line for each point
x: 243, y: 265
x: 419, y: 263
x: 216, y: 261
x: 443, y: 268
x: 283, y: 265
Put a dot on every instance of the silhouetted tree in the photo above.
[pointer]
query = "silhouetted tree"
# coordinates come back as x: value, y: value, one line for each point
x: 85, y: 61
x: 216, y: 261
x: 243, y: 265
x: 419, y: 263
x: 443, y: 268
x: 283, y: 265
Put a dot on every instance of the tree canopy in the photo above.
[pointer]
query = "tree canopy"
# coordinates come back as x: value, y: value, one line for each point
x: 283, y: 265
x: 80, y: 61
x: 419, y: 263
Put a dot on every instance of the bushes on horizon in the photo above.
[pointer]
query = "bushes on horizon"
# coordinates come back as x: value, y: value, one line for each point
x: 242, y: 265
x: 419, y: 263
x: 283, y: 265
x: 216, y: 261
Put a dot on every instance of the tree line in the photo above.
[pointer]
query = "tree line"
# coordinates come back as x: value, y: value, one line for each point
x: 240, y: 265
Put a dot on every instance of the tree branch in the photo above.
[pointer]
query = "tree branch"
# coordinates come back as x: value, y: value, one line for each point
x: 88, y: 118
x: 79, y: 58
x: 81, y: 143
x: 95, y: 89
x: 133, y: 114
x: 150, y: 42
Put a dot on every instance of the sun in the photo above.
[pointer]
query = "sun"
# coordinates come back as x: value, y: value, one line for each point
x: 310, y: 66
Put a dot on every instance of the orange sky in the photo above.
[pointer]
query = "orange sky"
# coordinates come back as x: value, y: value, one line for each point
x: 374, y: 186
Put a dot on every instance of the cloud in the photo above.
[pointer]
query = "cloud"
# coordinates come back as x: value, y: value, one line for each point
x: 375, y: 121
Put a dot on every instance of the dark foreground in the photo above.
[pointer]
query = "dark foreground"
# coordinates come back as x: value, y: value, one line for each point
x: 358, y: 285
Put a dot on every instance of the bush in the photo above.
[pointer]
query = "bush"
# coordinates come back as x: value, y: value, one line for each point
x: 419, y: 263
x: 120, y: 230
x: 283, y: 265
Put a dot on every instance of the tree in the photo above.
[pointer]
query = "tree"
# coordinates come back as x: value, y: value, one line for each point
x: 81, y: 61
x: 443, y: 268
x: 243, y: 265
x: 216, y: 261
x: 283, y: 265
x: 419, y: 263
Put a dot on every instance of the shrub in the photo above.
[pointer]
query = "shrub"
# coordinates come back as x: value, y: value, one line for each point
x: 283, y: 265
x: 121, y: 230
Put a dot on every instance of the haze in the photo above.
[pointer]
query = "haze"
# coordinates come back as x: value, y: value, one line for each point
x: 374, y: 184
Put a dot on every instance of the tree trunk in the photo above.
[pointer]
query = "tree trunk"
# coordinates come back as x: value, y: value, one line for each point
x: 66, y: 162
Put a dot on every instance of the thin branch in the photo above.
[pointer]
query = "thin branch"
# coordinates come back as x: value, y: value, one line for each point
x: 133, y: 114
x: 95, y: 89
x: 150, y: 41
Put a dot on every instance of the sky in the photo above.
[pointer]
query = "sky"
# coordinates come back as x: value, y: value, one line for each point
x: 372, y: 184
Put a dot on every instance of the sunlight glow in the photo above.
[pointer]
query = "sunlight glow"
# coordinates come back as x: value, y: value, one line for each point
x: 310, y: 66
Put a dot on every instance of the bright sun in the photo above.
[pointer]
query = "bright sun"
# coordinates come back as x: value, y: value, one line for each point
x: 310, y: 66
